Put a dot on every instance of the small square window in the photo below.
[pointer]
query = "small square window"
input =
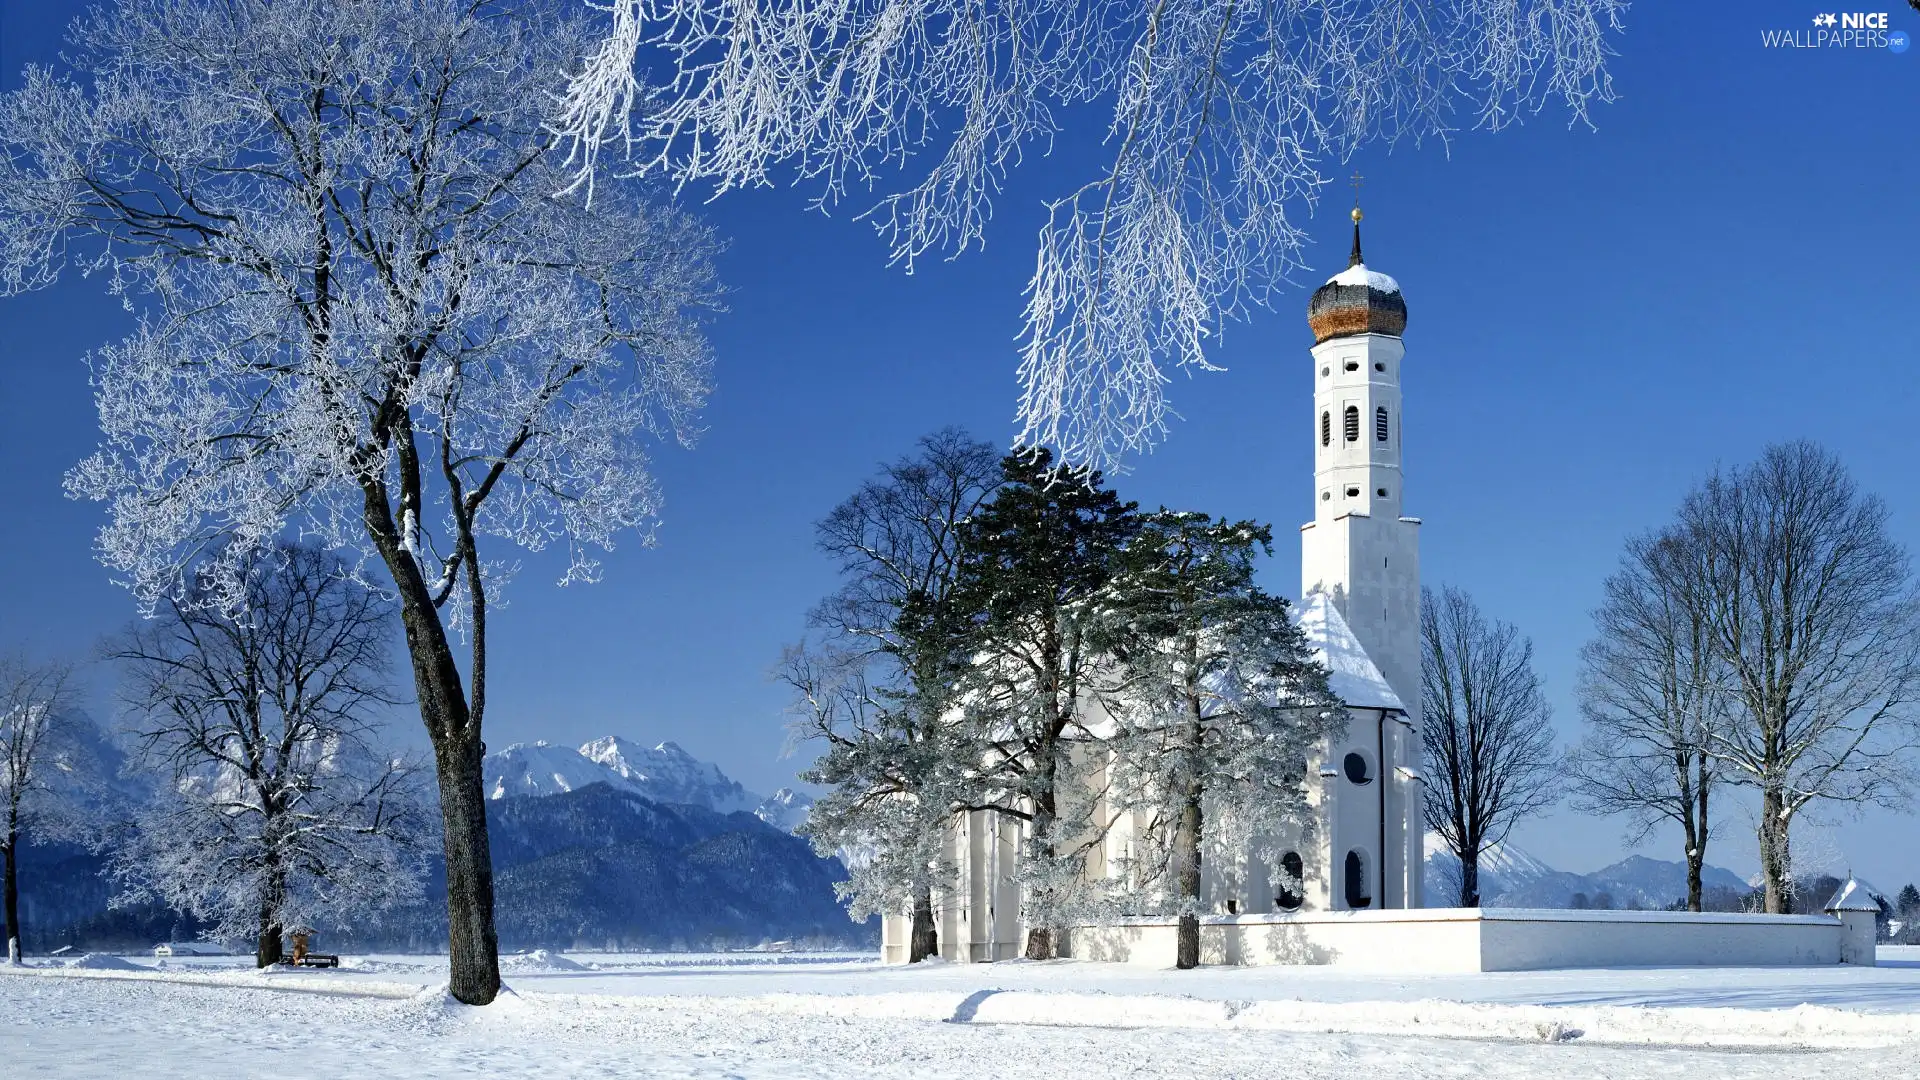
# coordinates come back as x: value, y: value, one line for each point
x: 1379, y: 367
x: 1353, y: 493
x: 1382, y: 492
x: 1353, y: 365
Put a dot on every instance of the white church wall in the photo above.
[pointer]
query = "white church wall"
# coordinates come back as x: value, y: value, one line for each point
x: 1521, y: 940
x: 1409, y: 941
x: 1447, y: 940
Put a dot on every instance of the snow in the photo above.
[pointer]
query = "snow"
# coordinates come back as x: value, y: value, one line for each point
x: 841, y: 1016
x: 1353, y: 677
x: 664, y: 773
x: 540, y: 961
x: 100, y: 962
x: 785, y: 809
x: 1855, y: 895
x: 1360, y: 275
x: 540, y: 768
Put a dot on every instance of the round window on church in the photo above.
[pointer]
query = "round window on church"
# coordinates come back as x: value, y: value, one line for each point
x: 1356, y: 769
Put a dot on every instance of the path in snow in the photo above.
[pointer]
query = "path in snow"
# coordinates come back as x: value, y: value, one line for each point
x: 66, y: 1027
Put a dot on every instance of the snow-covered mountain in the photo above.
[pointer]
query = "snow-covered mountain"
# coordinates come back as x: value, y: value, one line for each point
x: 664, y: 773
x: 667, y: 773
x: 785, y: 809
x: 1509, y: 877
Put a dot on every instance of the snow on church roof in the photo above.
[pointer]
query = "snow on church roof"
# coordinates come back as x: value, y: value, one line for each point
x: 1358, y: 274
x: 1855, y: 895
x: 1352, y: 676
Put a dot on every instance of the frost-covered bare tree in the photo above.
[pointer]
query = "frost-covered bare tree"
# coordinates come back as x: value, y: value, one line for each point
x: 892, y: 788
x: 1484, y: 726
x: 878, y: 684
x: 1217, y: 703
x: 1816, y: 617
x: 365, y: 315
x: 262, y: 707
x: 43, y: 768
x: 1219, y: 117
x: 1653, y: 694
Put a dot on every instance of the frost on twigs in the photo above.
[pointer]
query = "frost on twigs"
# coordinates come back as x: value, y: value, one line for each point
x: 1220, y: 115
x: 282, y: 806
x: 364, y: 315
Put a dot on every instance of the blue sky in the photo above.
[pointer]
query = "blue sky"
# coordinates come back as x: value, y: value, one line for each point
x: 1596, y: 319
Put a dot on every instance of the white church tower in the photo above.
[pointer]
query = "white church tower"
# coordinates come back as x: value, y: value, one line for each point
x: 1360, y: 591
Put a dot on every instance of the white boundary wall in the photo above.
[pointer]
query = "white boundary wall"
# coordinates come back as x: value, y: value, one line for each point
x: 1479, y: 939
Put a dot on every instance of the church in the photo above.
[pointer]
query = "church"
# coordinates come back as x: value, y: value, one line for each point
x: 1360, y: 584
x: 1358, y: 867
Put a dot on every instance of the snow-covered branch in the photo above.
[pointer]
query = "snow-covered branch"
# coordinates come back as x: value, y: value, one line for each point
x: 1220, y: 116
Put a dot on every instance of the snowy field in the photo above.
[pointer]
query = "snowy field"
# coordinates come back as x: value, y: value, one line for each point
x: 810, y: 1015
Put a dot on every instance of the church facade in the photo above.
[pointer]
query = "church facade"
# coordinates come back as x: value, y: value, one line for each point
x: 1360, y: 609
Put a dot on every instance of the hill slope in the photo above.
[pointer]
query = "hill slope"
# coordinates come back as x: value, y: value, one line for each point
x: 599, y: 867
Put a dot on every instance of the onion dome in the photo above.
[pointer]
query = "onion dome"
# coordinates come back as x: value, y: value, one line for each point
x: 1356, y: 300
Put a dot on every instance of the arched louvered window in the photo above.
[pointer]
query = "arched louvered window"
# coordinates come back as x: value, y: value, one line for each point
x: 1380, y: 424
x: 1353, y: 423
x: 1326, y: 429
x: 1357, y: 881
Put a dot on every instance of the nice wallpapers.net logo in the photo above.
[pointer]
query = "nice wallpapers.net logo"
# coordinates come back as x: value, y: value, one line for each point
x: 1840, y: 30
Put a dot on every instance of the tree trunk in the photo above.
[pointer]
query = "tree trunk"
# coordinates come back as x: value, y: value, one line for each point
x: 926, y: 939
x: 1470, y: 878
x: 267, y: 949
x: 1186, y: 861
x: 473, y: 945
x: 12, y: 889
x: 1776, y: 861
x: 1693, y: 806
x: 1040, y: 940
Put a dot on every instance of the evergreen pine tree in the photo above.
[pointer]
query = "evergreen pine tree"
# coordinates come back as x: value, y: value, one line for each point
x: 1217, y: 701
x: 1033, y: 562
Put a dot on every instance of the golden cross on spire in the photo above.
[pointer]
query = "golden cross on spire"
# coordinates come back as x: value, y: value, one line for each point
x: 1356, y: 182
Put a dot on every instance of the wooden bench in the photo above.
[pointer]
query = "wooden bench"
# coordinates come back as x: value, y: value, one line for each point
x: 312, y: 960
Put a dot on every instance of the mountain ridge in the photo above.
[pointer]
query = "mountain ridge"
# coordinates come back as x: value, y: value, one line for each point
x: 663, y: 773
x: 1512, y: 878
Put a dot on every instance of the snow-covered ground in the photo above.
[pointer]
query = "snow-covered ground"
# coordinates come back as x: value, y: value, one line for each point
x: 806, y: 1015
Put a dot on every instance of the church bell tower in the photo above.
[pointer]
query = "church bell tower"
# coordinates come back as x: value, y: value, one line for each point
x: 1360, y: 589
x: 1359, y: 549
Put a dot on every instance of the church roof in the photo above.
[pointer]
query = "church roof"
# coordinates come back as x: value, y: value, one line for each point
x: 1855, y: 895
x: 1351, y: 673
x: 1357, y: 300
